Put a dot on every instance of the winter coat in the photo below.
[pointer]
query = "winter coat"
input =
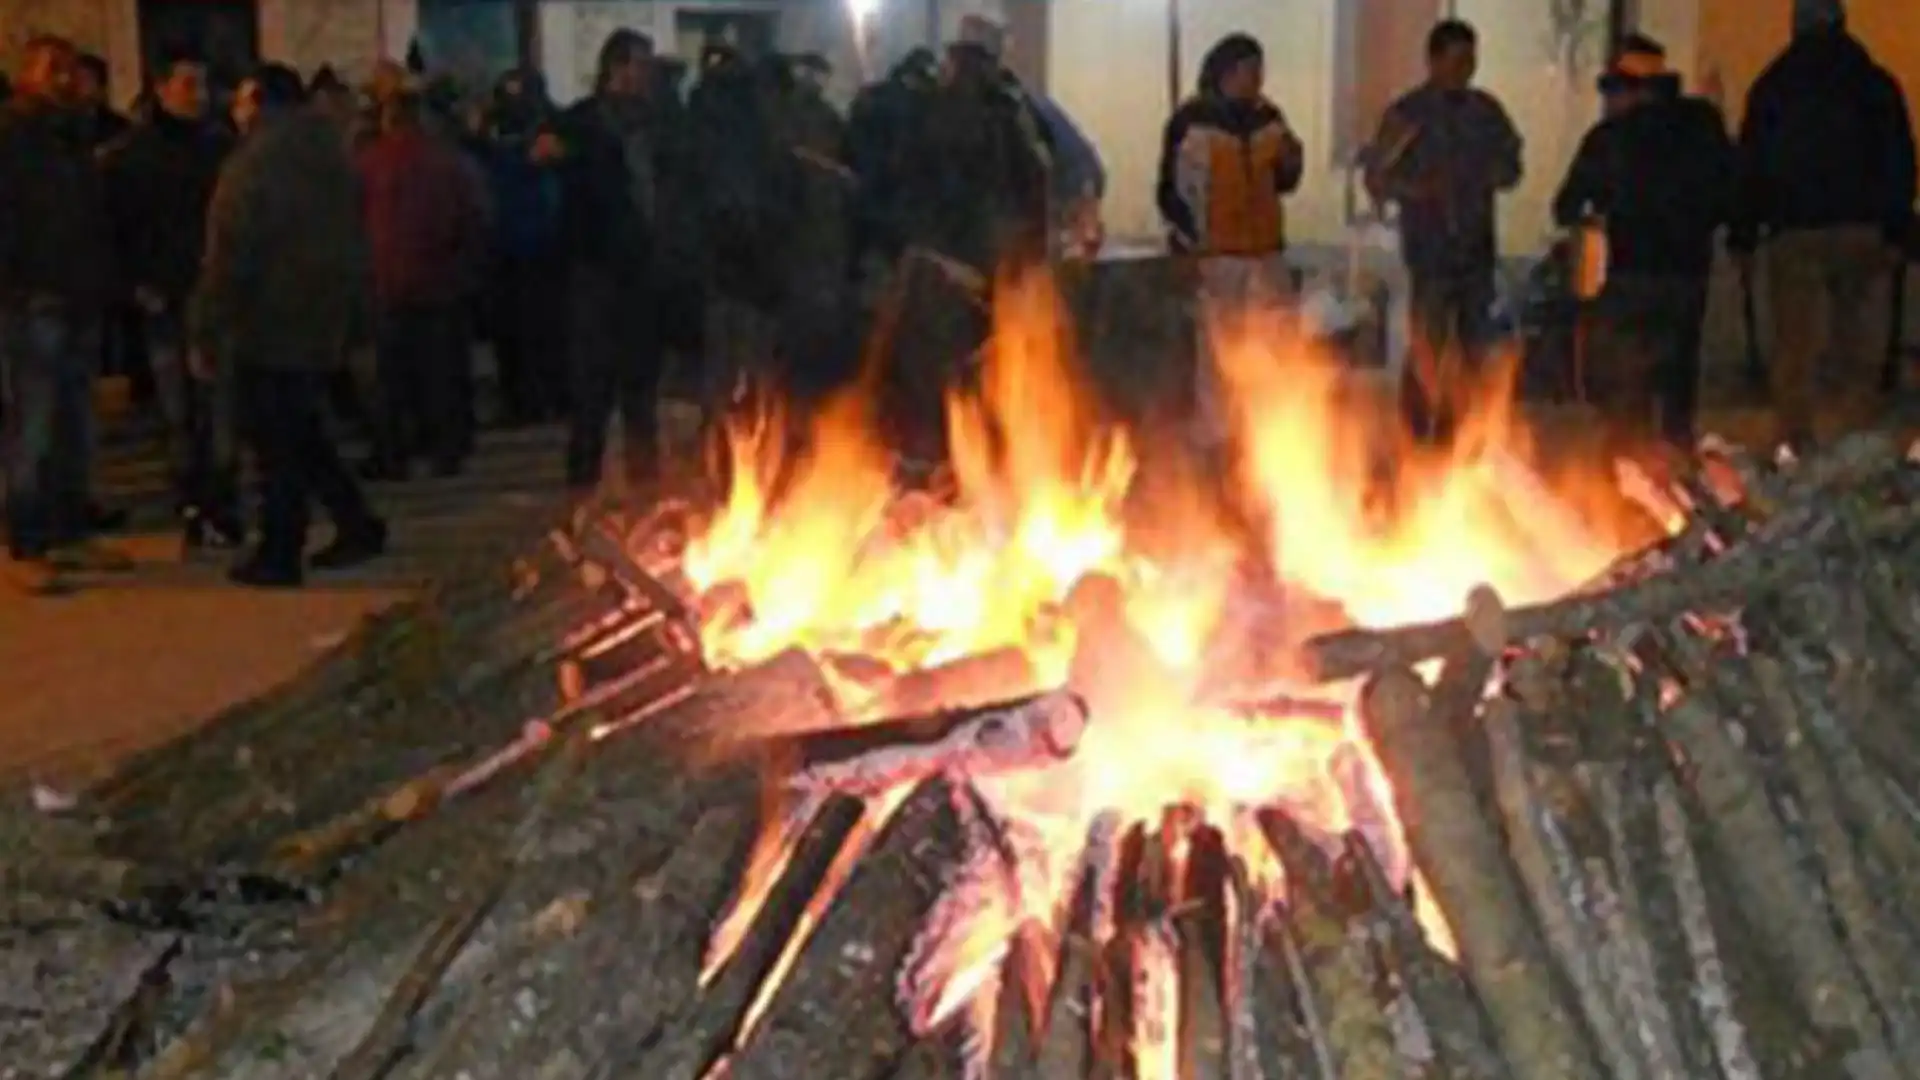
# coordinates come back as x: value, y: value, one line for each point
x: 976, y: 183
x: 606, y: 210
x: 1661, y: 175
x: 1825, y: 142
x: 56, y: 240
x: 1223, y: 166
x: 160, y: 178
x: 747, y: 185
x: 285, y: 285
x: 425, y: 222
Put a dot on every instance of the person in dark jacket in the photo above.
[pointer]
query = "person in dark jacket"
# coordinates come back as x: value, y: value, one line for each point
x: 1827, y: 180
x: 614, y: 151
x: 976, y: 178
x: 94, y: 89
x: 57, y: 279
x: 160, y: 178
x: 1658, y: 169
x: 880, y: 129
x: 744, y: 210
x: 527, y: 279
x: 1443, y: 153
x: 426, y: 231
x: 282, y: 291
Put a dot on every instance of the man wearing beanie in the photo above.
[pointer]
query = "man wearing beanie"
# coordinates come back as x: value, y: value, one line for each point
x: 1658, y: 170
x: 1827, y: 183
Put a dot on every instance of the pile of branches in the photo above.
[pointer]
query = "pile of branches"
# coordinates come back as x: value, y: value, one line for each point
x: 1670, y: 828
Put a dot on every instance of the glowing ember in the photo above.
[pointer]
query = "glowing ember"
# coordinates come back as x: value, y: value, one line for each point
x: 1140, y: 585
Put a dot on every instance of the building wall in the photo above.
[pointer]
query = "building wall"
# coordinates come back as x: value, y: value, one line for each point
x: 349, y: 34
x: 1541, y: 69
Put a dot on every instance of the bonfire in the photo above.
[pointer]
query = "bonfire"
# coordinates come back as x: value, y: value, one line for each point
x: 1101, y: 757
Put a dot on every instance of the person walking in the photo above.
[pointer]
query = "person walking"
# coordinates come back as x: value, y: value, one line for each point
x: 160, y: 178
x: 611, y: 153
x: 427, y: 231
x: 1443, y: 153
x: 1658, y: 171
x: 1827, y: 181
x: 57, y: 279
x: 283, y: 288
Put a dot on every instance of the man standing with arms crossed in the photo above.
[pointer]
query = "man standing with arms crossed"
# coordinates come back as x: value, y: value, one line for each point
x: 1443, y: 153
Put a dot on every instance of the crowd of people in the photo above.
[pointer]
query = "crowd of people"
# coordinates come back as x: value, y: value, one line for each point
x: 646, y: 240
x: 639, y: 241
x: 1819, y: 177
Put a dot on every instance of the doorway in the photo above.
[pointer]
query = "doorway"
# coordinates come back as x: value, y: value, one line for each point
x: 751, y: 32
x: 223, y: 33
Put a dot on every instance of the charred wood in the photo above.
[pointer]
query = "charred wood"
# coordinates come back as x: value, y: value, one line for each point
x: 1461, y: 855
x: 835, y: 1014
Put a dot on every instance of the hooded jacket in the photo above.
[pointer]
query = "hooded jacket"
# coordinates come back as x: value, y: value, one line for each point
x: 1661, y: 174
x: 1825, y: 142
x: 1225, y: 163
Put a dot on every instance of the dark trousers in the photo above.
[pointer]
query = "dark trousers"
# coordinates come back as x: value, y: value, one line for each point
x: 426, y: 408
x: 526, y: 313
x: 281, y: 414
x: 1641, y: 367
x: 47, y: 358
x: 198, y: 424
x: 615, y: 357
x: 1452, y: 327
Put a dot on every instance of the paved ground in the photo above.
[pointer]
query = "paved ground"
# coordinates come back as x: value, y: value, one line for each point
x: 89, y: 678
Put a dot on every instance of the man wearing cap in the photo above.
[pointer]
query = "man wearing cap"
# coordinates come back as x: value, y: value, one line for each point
x: 1827, y: 179
x: 1658, y: 170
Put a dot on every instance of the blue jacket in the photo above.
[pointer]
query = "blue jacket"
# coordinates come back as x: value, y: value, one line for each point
x: 1077, y: 168
x: 526, y: 200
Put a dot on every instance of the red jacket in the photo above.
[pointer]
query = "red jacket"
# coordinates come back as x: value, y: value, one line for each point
x: 425, y: 219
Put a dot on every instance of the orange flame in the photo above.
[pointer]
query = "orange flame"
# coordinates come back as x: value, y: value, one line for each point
x: 1051, y: 510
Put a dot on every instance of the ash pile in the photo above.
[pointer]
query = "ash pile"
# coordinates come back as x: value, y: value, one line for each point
x: 1665, y: 826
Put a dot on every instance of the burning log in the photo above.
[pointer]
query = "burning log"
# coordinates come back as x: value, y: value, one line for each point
x: 1458, y: 850
x: 1335, y: 959
x: 834, y: 1014
x: 875, y: 758
x: 969, y: 682
x: 692, y: 1046
x: 1798, y: 528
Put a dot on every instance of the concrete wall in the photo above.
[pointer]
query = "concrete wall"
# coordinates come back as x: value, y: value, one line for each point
x: 349, y: 34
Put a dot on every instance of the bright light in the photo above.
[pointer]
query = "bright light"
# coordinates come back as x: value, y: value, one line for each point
x: 863, y: 11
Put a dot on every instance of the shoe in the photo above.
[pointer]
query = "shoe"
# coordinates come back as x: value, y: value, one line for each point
x: 89, y: 557
x: 255, y: 572
x: 350, y: 549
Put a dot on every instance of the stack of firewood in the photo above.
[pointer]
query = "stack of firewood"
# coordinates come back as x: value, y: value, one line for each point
x: 1669, y: 827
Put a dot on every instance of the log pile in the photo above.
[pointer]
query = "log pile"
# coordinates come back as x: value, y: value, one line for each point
x: 1668, y: 827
